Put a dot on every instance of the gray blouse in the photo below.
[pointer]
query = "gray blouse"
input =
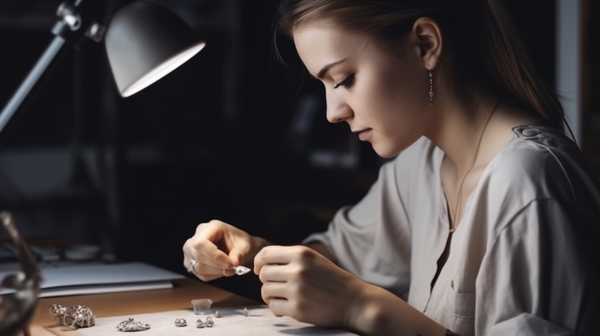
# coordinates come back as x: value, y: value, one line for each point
x: 524, y: 259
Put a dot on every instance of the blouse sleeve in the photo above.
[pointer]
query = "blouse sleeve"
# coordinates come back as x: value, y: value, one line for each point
x: 371, y: 239
x: 540, y: 276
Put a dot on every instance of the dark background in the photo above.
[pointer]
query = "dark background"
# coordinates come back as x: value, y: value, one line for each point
x: 216, y: 139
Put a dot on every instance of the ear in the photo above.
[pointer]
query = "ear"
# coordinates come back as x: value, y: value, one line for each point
x: 427, y: 35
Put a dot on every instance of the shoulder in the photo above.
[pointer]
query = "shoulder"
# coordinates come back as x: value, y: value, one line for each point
x: 539, y: 157
x: 541, y: 163
x: 539, y: 190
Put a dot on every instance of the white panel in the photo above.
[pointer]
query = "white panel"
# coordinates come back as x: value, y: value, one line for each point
x: 568, y: 61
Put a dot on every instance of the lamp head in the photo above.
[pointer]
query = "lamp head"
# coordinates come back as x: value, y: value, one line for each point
x: 144, y: 42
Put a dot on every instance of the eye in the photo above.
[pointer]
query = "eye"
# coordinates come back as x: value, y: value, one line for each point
x: 347, y: 82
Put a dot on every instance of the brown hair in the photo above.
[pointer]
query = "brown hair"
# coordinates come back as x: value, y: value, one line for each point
x: 480, y: 42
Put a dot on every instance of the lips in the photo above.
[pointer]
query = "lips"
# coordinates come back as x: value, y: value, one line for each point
x: 363, y: 135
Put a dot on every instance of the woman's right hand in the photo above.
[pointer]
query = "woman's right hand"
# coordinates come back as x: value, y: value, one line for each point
x: 216, y: 246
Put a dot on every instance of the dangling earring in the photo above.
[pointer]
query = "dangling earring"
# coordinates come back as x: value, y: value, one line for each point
x: 430, y: 87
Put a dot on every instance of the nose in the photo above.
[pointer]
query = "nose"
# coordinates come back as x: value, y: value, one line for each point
x: 337, y: 109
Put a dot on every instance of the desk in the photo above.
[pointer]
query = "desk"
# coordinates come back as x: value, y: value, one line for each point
x: 139, y: 302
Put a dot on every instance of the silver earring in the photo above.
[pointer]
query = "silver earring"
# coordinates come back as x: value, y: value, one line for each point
x: 430, y: 87
x: 131, y: 325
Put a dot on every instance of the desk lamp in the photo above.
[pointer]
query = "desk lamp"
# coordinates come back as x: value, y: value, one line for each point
x: 144, y: 42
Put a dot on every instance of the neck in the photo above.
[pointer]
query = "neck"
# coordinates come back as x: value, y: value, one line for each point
x: 460, y: 128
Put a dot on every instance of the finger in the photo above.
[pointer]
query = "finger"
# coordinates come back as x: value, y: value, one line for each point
x: 202, y: 271
x: 277, y: 273
x: 206, y: 269
x: 280, y: 307
x: 274, y: 290
x: 207, y: 278
x: 237, y: 252
x: 267, y: 255
x: 189, y: 253
x: 204, y: 275
x: 280, y: 255
x: 202, y: 246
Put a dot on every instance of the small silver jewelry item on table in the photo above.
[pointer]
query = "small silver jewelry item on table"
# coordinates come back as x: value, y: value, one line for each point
x: 180, y: 322
x: 74, y: 316
x: 191, y: 268
x: 58, y: 313
x: 209, y: 322
x: 130, y: 325
x: 245, y: 312
x: 199, y: 324
x: 217, y: 314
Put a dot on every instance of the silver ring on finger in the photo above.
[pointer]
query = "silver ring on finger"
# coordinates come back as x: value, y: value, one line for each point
x: 191, y: 268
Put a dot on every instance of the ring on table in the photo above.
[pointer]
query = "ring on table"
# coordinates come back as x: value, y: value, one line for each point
x: 191, y: 267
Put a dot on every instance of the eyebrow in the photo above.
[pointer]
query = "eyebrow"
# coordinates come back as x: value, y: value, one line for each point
x: 326, y: 68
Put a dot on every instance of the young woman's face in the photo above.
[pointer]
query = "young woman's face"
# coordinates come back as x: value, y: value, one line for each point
x: 382, y: 96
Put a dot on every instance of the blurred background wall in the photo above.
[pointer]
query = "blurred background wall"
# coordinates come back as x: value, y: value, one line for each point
x: 231, y: 135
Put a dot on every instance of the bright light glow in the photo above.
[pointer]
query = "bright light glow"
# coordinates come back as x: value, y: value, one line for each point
x: 162, y: 69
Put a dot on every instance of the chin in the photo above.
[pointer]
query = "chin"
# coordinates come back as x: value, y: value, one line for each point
x: 385, y: 152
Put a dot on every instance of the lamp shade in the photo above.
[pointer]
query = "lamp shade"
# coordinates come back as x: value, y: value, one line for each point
x: 144, y: 42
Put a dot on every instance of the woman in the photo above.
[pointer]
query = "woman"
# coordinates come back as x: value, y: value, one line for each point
x: 487, y: 220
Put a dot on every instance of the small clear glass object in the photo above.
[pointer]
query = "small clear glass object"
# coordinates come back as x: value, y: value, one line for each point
x: 201, y: 306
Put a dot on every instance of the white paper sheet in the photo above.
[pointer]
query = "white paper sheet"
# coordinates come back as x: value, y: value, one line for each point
x: 259, y: 322
x: 101, y: 278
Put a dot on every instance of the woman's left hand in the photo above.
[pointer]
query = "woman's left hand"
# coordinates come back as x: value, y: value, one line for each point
x: 301, y: 283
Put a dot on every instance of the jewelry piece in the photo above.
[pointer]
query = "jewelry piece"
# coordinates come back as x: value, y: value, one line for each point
x: 217, y: 314
x: 455, y: 216
x: 239, y: 270
x: 430, y: 87
x: 180, y: 322
x: 209, y: 322
x: 191, y: 267
x: 74, y: 316
x: 245, y: 312
x: 58, y: 313
x: 82, y: 316
x: 130, y: 325
x: 199, y: 324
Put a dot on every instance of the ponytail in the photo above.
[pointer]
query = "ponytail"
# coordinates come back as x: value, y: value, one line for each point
x: 511, y: 69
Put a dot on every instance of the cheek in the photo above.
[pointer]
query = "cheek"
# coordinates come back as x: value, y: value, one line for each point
x: 407, y: 85
x: 397, y: 100
x: 398, y: 96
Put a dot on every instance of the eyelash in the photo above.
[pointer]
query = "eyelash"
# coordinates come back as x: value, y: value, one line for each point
x: 346, y: 82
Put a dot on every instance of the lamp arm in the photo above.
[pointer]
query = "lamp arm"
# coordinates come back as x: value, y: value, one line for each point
x: 53, y: 53
x: 75, y: 25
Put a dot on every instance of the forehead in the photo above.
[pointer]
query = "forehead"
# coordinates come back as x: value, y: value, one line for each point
x: 320, y: 43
